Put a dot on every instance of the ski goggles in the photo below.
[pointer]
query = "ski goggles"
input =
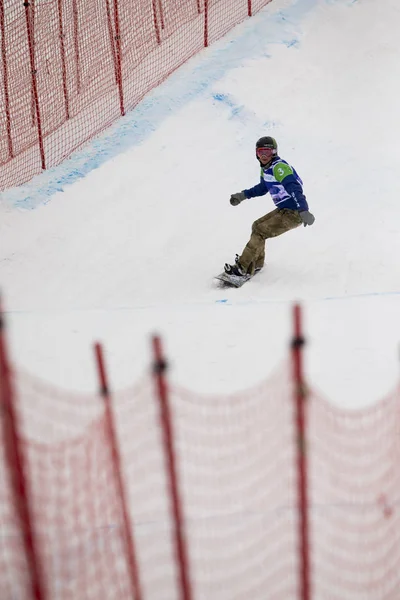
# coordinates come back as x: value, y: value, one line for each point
x: 265, y: 153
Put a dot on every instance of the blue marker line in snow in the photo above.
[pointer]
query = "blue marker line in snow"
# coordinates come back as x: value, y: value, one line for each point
x: 201, y: 303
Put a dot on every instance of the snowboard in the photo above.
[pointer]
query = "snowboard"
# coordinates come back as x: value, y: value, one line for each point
x: 232, y: 280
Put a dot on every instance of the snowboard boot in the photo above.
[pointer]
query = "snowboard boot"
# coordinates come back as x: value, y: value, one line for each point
x: 237, y: 268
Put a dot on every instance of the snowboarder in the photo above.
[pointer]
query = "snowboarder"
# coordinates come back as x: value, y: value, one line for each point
x: 286, y: 189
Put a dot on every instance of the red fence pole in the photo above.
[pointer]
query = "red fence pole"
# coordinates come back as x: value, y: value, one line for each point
x: 5, y: 80
x: 118, y: 58
x: 160, y: 8
x: 34, y: 85
x: 249, y: 11
x: 117, y: 463
x: 168, y: 441
x: 62, y: 52
x: 17, y: 469
x: 205, y: 23
x: 32, y: 30
x: 75, y: 17
x: 300, y: 397
x: 155, y: 20
x: 111, y: 35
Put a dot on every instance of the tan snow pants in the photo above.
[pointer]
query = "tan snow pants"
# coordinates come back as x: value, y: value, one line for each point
x: 270, y: 225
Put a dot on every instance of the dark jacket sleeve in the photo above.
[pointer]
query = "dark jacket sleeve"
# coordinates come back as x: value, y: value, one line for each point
x: 258, y: 190
x: 294, y: 189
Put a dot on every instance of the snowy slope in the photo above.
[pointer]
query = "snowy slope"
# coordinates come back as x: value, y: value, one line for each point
x: 132, y: 247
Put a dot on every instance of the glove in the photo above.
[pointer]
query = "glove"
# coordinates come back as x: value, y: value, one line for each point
x: 237, y: 198
x: 307, y: 218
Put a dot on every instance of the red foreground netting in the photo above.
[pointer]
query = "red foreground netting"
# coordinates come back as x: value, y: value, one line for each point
x: 160, y: 493
x: 73, y: 498
x: 355, y: 500
x: 69, y: 68
x: 239, y: 491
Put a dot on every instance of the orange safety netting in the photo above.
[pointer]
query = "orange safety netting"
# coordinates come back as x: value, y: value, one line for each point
x: 69, y: 68
x: 354, y: 484
x: 238, y: 487
x: 73, y: 498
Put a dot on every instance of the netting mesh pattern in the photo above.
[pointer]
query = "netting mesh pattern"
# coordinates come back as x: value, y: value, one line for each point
x: 75, y: 508
x: 236, y: 466
x: 355, y: 500
x: 238, y: 484
x: 69, y: 68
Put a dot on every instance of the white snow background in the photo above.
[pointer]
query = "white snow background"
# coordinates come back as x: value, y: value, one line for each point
x: 130, y: 248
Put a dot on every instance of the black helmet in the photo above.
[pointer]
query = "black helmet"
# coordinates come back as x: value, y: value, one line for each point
x: 267, y: 142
